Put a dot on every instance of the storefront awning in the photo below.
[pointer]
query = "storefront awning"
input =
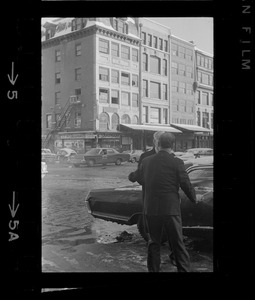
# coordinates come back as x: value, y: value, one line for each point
x: 190, y: 128
x: 149, y: 128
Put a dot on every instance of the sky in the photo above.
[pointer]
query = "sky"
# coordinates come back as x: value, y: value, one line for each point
x: 199, y: 30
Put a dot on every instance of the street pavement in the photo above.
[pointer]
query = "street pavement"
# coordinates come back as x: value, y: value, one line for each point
x: 74, y: 241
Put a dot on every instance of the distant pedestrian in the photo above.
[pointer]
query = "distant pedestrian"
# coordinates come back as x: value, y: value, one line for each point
x: 161, y: 176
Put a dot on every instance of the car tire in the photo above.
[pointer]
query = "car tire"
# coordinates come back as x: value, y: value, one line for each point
x: 91, y: 163
x: 141, y: 229
x: 118, y: 162
x: 133, y: 160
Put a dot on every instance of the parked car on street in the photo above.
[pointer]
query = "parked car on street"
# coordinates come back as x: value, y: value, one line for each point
x: 105, y: 156
x: 48, y: 156
x: 134, y: 155
x: 64, y: 154
x: 123, y: 205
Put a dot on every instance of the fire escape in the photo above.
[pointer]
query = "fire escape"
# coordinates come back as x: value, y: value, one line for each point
x: 63, y: 120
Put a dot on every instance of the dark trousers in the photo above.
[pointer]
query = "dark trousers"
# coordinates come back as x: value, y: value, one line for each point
x: 173, y: 228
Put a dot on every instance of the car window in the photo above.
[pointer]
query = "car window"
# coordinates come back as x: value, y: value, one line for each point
x: 110, y: 151
x: 93, y: 151
x: 201, y: 173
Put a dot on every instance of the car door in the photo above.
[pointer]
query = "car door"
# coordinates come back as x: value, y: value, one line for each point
x: 101, y: 158
x: 111, y: 156
x: 200, y: 214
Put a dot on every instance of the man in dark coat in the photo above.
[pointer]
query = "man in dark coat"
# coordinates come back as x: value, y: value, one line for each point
x: 161, y: 175
x: 134, y: 176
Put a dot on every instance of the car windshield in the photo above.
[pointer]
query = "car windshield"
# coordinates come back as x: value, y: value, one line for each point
x: 93, y: 151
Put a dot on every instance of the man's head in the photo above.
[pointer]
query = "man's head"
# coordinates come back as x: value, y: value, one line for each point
x: 166, y: 140
x: 156, y: 136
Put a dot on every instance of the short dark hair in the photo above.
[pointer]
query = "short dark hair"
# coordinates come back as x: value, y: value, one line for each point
x: 166, y: 140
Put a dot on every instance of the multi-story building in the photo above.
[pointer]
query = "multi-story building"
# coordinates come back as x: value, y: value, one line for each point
x: 204, y: 96
x: 102, y: 75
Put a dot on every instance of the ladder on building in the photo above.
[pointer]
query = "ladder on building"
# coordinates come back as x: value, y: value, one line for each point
x: 63, y: 119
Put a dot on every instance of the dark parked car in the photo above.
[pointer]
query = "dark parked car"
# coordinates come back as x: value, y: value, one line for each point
x: 105, y: 156
x: 124, y: 205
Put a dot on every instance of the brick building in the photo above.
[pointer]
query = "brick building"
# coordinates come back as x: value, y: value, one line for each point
x: 107, y: 81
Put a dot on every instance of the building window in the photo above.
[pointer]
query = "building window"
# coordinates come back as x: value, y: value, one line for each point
x: 182, y: 87
x: 78, y: 49
x: 155, y: 42
x: 155, y: 115
x: 77, y: 119
x: 134, y: 120
x: 164, y: 91
x: 115, y: 76
x: 115, y: 24
x: 115, y: 97
x: 174, y: 86
x: 188, y: 54
x: 198, y: 60
x: 202, y: 61
x: 134, y: 80
x: 166, y: 46
x: 205, y: 79
x: 57, y: 78
x: 211, y: 80
x: 198, y: 98
x: 205, y: 120
x: 199, y: 76
x: 103, y: 46
x: 145, y: 62
x: 58, y: 55
x: 48, y: 121
x: 210, y: 64
x: 135, y: 55
x: 174, y: 67
x: 189, y: 89
x: 155, y: 90
x: 125, y: 98
x: 150, y: 40
x: 115, y: 121
x: 206, y: 63
x: 115, y: 49
x: 57, y: 98
x: 125, y: 78
x: 103, y: 95
x: 120, y: 26
x: 212, y: 120
x: 181, y: 52
x: 174, y: 48
x: 189, y: 71
x: 155, y: 64
x: 57, y: 117
x: 165, y: 116
x: 145, y: 114
x: 125, y: 52
x: 205, y: 98
x: 103, y: 122
x: 164, y: 67
x: 103, y: 74
x: 77, y: 74
x: 145, y: 88
x: 143, y: 38
x: 181, y: 70
x: 134, y: 100
x: 77, y: 93
x: 125, y: 119
x: 160, y: 43
x: 212, y: 99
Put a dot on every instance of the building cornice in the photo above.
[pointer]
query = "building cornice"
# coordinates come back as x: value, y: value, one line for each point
x: 77, y: 34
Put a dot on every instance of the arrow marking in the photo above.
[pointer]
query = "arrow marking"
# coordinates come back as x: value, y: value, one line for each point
x: 12, y: 79
x: 12, y: 209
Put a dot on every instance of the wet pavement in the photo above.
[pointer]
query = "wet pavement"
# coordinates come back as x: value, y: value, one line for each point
x: 74, y: 241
